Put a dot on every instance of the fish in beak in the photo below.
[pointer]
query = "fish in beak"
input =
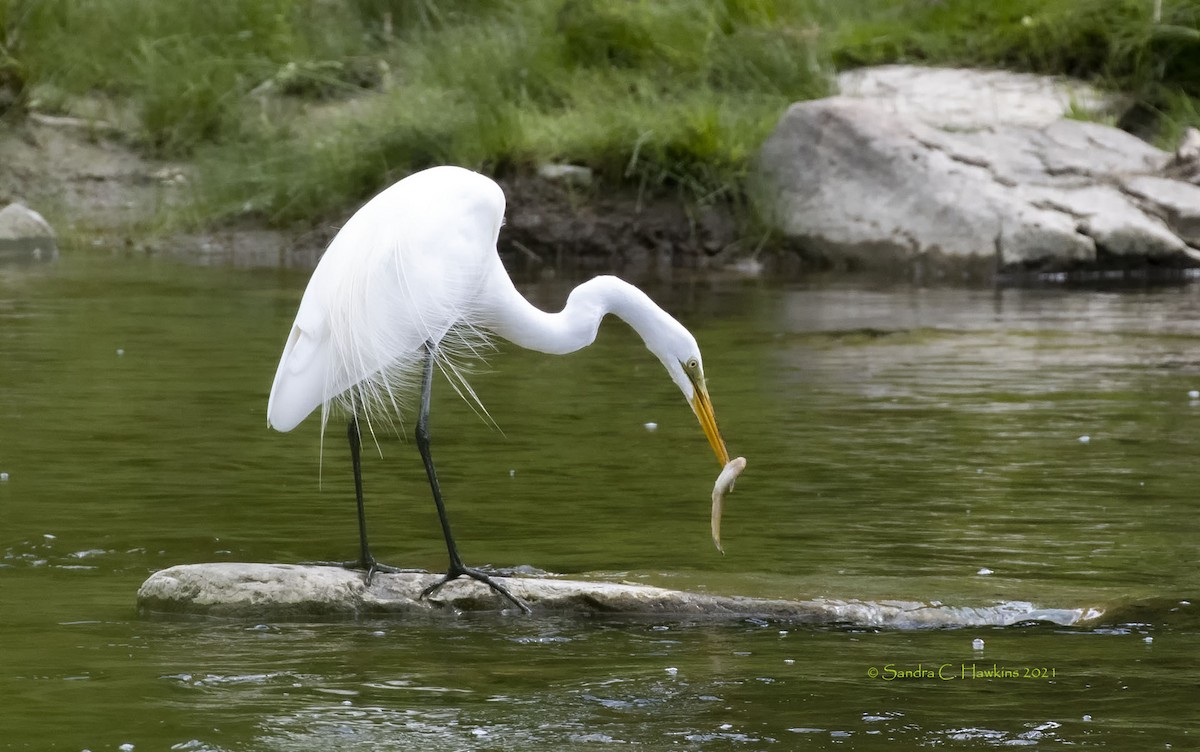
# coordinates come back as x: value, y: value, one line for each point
x: 702, y: 406
x: 723, y: 486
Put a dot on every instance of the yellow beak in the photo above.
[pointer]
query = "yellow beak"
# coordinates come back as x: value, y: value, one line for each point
x: 702, y: 406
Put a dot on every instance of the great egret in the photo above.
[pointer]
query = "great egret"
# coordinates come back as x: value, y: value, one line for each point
x: 414, y: 280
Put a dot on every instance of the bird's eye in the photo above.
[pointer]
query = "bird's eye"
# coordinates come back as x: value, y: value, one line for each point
x: 693, y: 364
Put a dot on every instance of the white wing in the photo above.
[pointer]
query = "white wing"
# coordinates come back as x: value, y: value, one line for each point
x: 406, y: 269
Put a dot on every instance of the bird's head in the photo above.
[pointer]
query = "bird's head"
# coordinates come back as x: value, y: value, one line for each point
x: 669, y: 340
x: 686, y: 367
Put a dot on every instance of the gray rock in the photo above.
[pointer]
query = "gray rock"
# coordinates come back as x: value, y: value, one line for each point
x: 283, y: 591
x: 964, y: 98
x: 1175, y: 202
x: 567, y: 174
x: 25, y: 233
x: 873, y: 182
x: 1186, y: 163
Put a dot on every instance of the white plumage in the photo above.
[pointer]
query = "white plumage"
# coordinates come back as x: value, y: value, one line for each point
x: 408, y: 268
x: 414, y: 280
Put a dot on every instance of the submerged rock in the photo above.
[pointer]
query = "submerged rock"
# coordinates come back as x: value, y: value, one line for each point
x: 286, y: 591
x: 24, y: 232
x: 995, y: 172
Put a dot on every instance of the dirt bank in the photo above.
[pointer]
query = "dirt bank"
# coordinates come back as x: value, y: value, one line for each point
x: 95, y: 188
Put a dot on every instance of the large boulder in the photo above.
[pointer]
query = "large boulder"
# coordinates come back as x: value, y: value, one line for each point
x: 992, y: 171
x: 25, y: 233
x: 284, y: 591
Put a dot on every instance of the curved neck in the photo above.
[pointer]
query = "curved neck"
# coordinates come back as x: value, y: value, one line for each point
x: 575, y: 327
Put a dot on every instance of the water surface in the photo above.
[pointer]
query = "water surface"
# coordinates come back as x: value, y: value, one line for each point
x: 967, y: 447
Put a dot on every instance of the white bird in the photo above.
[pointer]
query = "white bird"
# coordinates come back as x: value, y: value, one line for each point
x: 413, y: 279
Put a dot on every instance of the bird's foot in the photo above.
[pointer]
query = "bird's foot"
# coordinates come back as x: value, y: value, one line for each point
x: 368, y: 565
x: 375, y: 566
x: 457, y: 571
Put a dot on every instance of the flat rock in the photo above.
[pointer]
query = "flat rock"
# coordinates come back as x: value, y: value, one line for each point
x: 890, y: 178
x: 286, y: 591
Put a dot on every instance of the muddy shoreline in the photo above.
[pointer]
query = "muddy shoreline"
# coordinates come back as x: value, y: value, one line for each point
x: 94, y: 189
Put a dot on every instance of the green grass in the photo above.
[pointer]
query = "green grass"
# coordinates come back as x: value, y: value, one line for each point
x: 296, y: 109
x: 657, y: 96
x: 1115, y: 43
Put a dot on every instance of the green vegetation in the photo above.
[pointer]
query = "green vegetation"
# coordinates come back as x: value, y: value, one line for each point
x: 294, y: 109
x: 1117, y: 44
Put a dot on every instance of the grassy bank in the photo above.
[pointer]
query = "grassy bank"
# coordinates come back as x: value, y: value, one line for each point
x: 294, y: 109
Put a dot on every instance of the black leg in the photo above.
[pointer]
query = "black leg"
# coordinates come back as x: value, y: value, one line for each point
x: 457, y: 569
x: 365, y: 560
x: 355, y: 439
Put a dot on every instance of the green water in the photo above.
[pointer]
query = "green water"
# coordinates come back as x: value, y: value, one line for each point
x: 901, y: 441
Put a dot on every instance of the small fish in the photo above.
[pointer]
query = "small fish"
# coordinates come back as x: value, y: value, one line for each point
x: 723, y: 486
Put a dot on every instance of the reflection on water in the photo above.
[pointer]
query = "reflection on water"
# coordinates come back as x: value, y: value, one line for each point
x: 905, y: 444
